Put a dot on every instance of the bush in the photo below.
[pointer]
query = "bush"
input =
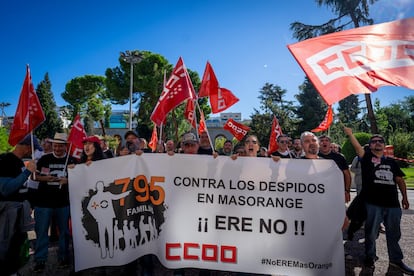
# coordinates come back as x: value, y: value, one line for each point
x: 348, y: 149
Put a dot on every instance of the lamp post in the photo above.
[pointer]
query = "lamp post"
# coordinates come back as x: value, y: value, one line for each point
x: 131, y: 58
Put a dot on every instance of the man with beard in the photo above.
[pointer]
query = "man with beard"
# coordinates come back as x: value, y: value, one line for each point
x: 310, y: 145
x: 51, y: 199
x: 297, y: 151
x: 380, y: 177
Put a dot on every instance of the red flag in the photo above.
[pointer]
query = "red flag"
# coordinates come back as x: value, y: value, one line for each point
x: 220, y: 98
x: 238, y: 130
x: 154, y: 139
x: 209, y: 83
x: 76, y: 135
x: 178, y: 88
x: 276, y: 131
x: 189, y: 112
x: 29, y: 112
x: 327, y: 121
x: 359, y: 60
x: 202, y: 127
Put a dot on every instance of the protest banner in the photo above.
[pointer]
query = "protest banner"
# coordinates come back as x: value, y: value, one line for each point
x: 250, y: 214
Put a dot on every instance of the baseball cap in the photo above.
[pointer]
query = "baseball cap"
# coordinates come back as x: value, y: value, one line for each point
x: 130, y: 132
x: 189, y: 138
x: 28, y: 141
x: 91, y: 139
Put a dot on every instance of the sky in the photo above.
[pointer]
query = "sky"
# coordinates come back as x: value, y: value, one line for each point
x: 244, y: 40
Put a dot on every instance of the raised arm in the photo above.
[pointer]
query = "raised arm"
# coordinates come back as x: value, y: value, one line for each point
x: 357, y: 146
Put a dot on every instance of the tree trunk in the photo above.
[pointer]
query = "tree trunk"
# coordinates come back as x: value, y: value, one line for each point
x: 371, y: 115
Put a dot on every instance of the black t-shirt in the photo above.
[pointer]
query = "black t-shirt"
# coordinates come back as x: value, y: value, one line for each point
x: 378, y: 180
x: 208, y: 151
x: 51, y: 194
x: 337, y: 157
x: 281, y: 155
x: 12, y: 166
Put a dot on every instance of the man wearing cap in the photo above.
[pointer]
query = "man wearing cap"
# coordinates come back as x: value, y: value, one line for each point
x: 132, y: 143
x: 189, y: 143
x: 13, y: 176
x: 52, y: 199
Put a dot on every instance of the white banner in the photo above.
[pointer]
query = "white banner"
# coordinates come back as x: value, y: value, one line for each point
x: 251, y: 214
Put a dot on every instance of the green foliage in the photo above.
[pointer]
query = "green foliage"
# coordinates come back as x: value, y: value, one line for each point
x: 261, y: 126
x: 52, y: 124
x: 4, y: 140
x: 80, y: 90
x: 272, y: 103
x: 396, y: 117
x: 348, y: 109
x: 347, y: 148
x: 312, y: 108
x: 403, y: 143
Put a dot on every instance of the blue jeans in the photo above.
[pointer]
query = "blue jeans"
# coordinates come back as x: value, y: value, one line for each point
x: 43, y: 217
x: 391, y: 218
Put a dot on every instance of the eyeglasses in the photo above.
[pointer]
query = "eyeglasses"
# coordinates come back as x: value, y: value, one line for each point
x: 377, y: 141
x: 250, y: 141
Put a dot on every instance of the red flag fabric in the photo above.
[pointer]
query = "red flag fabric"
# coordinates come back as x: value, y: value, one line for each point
x: 327, y: 121
x: 359, y: 60
x: 154, y: 139
x: 276, y: 131
x: 238, y: 130
x: 189, y: 112
x: 29, y: 112
x: 209, y: 83
x: 202, y: 127
x: 177, y: 89
x: 76, y: 135
x: 220, y: 98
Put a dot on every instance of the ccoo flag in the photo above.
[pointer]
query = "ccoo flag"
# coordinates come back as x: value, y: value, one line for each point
x: 220, y: 98
x: 76, y: 135
x: 359, y: 60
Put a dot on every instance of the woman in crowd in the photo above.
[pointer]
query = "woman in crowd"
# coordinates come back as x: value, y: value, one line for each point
x: 92, y: 150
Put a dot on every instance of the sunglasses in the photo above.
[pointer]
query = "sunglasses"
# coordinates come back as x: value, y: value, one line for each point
x: 377, y: 141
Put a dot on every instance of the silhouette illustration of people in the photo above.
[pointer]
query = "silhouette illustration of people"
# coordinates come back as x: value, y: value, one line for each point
x: 101, y: 208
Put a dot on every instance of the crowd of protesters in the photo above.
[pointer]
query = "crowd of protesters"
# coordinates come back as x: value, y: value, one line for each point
x: 50, y: 199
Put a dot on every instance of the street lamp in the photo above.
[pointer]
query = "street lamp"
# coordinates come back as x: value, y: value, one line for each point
x: 132, y: 58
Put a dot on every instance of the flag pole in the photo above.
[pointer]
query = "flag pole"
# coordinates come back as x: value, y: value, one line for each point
x: 208, y: 134
x: 32, y: 147
x: 163, y: 86
x: 66, y: 162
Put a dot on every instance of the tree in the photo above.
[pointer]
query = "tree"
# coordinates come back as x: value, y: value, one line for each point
x: 312, y: 108
x: 86, y: 95
x: 348, y: 109
x: 4, y: 140
x: 53, y: 123
x: 272, y: 103
x: 358, y: 12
